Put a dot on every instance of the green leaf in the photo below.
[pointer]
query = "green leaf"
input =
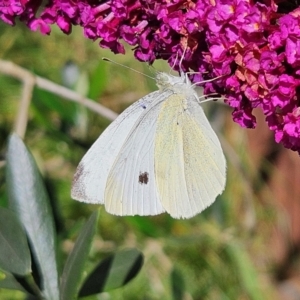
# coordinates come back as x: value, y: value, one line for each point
x: 74, y: 266
x: 29, y: 200
x: 113, y: 272
x: 45, y: 102
x: 144, y: 225
x: 247, y: 274
x: 14, y: 251
x: 177, y: 284
x: 8, y: 281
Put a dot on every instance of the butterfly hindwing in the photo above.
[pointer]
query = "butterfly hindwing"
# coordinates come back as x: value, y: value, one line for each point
x: 131, y: 187
x: 187, y: 175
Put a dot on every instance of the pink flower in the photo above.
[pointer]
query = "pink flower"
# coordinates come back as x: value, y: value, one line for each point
x: 253, y: 45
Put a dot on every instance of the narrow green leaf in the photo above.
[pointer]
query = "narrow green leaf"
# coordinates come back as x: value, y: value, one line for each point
x: 247, y: 275
x: 14, y: 251
x: 144, y: 225
x: 28, y: 198
x: 46, y: 102
x: 74, y: 266
x: 177, y: 284
x: 8, y: 281
x: 113, y: 272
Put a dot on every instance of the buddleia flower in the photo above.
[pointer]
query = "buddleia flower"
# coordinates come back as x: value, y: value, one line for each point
x: 253, y: 47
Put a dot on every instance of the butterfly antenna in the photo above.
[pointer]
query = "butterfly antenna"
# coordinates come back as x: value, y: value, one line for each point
x: 152, y: 69
x: 118, y: 64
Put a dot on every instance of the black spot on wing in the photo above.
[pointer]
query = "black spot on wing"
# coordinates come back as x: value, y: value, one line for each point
x: 143, y: 178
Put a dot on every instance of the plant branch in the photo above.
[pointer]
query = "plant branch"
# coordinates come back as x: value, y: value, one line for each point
x: 22, y: 116
x: 11, y: 69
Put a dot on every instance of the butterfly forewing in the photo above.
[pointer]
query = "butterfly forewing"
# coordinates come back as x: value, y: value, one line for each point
x: 91, y: 175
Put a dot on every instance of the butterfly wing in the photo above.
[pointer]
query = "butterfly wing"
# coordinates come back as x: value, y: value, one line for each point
x: 131, y: 187
x: 190, y: 167
x: 91, y: 175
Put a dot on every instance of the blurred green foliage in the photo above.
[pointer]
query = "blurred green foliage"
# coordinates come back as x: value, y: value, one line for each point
x: 219, y: 254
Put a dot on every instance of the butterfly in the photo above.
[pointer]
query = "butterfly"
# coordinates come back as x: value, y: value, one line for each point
x: 160, y: 155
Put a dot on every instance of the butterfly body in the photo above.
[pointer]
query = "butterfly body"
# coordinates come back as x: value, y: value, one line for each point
x: 160, y: 154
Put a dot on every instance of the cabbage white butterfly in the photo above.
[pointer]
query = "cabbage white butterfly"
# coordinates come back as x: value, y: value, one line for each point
x: 160, y: 155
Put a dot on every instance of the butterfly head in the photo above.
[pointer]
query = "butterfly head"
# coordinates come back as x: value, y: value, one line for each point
x: 164, y: 80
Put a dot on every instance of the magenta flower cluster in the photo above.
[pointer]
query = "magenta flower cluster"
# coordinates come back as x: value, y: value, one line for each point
x: 252, y: 45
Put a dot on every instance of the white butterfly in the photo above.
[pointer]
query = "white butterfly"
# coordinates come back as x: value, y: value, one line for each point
x: 160, y: 155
